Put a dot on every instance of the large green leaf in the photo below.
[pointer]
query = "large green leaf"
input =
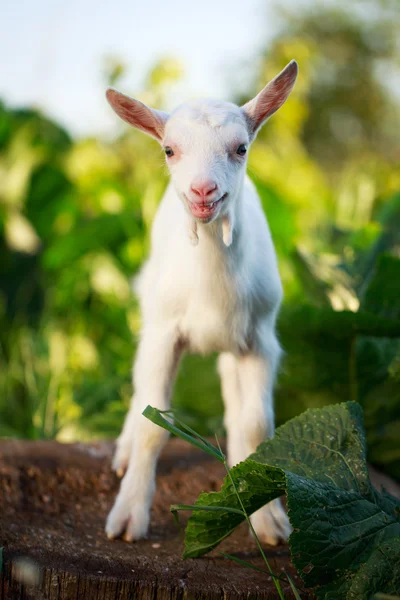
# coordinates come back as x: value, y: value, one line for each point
x: 326, y: 446
x: 340, y: 522
x: 336, y: 531
x: 380, y: 571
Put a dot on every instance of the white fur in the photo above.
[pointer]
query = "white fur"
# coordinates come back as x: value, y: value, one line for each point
x: 207, y: 287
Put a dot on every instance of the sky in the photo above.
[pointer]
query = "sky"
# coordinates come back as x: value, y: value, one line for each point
x: 54, y: 50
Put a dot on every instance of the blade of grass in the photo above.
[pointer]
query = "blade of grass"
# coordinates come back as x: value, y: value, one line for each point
x: 171, y: 412
x: 175, y: 508
x: 292, y: 585
x: 154, y: 415
x: 277, y: 584
x: 244, y: 563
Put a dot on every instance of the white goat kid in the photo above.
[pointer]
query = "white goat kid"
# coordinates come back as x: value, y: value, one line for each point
x: 211, y: 284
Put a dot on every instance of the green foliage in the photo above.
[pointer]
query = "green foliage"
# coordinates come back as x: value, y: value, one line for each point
x: 346, y: 535
x: 345, y: 354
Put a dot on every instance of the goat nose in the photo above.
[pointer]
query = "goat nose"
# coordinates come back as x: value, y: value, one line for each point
x: 203, y: 188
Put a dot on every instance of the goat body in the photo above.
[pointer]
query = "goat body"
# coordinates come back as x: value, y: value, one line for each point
x: 211, y: 284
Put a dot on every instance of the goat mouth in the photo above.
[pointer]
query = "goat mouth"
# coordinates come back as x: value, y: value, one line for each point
x: 205, y: 210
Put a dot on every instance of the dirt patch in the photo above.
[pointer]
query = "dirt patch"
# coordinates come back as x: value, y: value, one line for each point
x: 54, y: 499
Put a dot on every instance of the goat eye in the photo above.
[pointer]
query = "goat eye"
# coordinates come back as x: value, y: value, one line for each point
x: 168, y: 151
x: 241, y: 150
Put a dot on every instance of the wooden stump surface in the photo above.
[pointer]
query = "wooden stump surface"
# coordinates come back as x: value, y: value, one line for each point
x: 54, y: 499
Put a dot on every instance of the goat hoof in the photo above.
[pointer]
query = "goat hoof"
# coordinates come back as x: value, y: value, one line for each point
x: 271, y: 524
x: 126, y: 521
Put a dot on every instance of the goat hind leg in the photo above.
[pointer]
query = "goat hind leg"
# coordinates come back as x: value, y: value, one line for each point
x: 257, y: 374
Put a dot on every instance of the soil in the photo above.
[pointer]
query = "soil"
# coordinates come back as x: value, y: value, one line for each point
x: 54, y: 499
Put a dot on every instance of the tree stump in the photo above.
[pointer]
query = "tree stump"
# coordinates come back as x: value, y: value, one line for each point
x: 54, y: 499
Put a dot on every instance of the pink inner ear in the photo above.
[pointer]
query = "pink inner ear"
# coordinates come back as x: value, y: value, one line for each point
x: 272, y: 96
x: 137, y: 114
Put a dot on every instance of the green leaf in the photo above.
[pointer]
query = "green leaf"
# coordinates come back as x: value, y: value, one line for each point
x: 326, y: 446
x: 342, y: 526
x: 280, y: 216
x: 256, y: 483
x: 319, y: 278
x: 343, y: 324
x: 104, y: 231
x: 389, y: 221
x: 381, y: 571
x: 49, y: 195
x: 377, y: 361
x: 339, y: 530
x: 382, y: 295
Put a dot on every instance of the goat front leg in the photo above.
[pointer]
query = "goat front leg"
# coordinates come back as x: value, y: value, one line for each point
x: 257, y: 374
x: 156, y: 363
x: 233, y: 401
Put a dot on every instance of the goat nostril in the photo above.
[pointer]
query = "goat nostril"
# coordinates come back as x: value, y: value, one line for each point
x: 195, y: 191
x: 204, y: 189
x: 210, y: 190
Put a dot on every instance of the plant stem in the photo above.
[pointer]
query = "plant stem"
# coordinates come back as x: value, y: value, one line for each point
x: 275, y: 578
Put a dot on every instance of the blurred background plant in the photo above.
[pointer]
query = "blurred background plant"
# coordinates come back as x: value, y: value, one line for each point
x: 75, y: 216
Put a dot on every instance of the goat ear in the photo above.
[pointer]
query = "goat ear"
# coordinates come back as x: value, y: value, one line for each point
x: 137, y: 114
x: 271, y: 98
